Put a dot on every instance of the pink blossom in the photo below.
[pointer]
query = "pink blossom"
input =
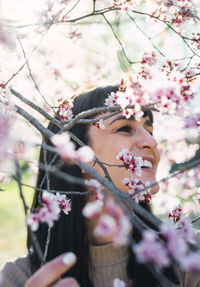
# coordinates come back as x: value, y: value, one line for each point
x: 51, y: 211
x: 150, y: 249
x: 175, y: 243
x: 123, y: 4
x: 32, y: 220
x: 130, y: 161
x: 84, y: 154
x: 46, y: 216
x: 118, y: 283
x: 135, y: 185
x: 186, y: 229
x: 47, y: 213
x: 94, y: 184
x: 191, y: 262
x: 149, y: 58
x: 96, y: 187
x: 64, y: 202
x: 176, y: 213
x: 99, y: 125
x: 65, y: 147
x: 92, y: 209
x: 114, y: 224
x: 111, y: 100
x: 65, y: 109
x: 106, y: 226
x: 191, y: 121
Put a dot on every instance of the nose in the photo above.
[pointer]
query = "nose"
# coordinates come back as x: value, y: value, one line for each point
x: 146, y: 141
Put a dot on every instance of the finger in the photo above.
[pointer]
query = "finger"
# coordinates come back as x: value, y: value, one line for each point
x: 52, y: 271
x: 68, y: 282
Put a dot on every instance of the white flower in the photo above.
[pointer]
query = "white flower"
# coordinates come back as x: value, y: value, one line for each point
x: 92, y: 209
x: 32, y: 220
x: 85, y: 154
x: 64, y: 202
x: 65, y: 147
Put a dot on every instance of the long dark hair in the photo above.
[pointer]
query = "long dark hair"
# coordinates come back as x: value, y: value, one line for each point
x: 69, y: 232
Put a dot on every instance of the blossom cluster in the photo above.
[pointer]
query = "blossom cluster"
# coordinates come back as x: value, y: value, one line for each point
x: 131, y: 162
x: 175, y: 12
x: 112, y: 223
x: 134, y: 185
x: 192, y: 121
x: 66, y: 149
x: 176, y: 214
x: 99, y: 125
x: 123, y: 4
x: 169, y: 95
x: 174, y: 245
x: 49, y: 211
x: 65, y: 109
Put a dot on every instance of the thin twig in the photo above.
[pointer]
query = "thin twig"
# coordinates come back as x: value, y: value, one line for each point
x: 36, y: 108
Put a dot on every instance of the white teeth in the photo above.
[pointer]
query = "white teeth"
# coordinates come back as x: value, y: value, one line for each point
x: 147, y: 163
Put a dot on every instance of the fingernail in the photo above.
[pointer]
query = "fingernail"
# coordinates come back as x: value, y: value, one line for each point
x: 69, y: 258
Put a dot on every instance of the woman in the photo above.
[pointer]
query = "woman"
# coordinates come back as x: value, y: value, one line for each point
x: 98, y: 263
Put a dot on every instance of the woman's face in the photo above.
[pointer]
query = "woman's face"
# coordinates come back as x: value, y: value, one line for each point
x: 130, y: 134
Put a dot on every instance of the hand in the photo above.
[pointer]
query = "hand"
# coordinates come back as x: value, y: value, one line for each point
x: 50, y: 273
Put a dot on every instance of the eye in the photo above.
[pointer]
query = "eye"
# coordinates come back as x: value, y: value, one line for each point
x: 126, y: 129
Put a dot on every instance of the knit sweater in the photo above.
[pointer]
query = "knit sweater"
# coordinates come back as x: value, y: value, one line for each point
x: 108, y: 263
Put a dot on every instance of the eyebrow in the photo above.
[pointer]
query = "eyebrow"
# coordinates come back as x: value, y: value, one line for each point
x: 146, y: 123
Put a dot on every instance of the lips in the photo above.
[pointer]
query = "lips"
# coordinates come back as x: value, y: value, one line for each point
x: 148, y: 163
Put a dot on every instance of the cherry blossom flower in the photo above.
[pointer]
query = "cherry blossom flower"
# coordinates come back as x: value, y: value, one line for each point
x: 65, y: 109
x: 191, y: 262
x: 176, y: 214
x: 186, y: 229
x: 149, y: 249
x: 111, y: 100
x: 191, y: 121
x: 32, y: 220
x: 106, y: 226
x: 134, y: 185
x: 118, y: 283
x: 99, y: 125
x: 48, y: 217
x: 175, y: 242
x: 65, y: 147
x: 92, y: 209
x: 49, y: 211
x: 64, y: 202
x: 149, y: 58
x: 130, y: 161
x: 123, y: 4
x: 84, y: 154
x: 113, y: 224
x: 96, y: 187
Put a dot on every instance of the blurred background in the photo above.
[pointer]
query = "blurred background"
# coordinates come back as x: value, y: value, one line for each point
x: 46, y: 59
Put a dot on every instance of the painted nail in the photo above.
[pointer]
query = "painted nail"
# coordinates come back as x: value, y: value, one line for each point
x: 69, y: 258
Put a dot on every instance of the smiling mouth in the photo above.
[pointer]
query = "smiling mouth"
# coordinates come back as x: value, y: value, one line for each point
x: 147, y: 165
